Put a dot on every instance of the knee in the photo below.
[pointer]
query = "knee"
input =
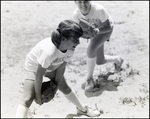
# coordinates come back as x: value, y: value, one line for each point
x: 27, y: 100
x: 101, y: 61
x: 65, y: 90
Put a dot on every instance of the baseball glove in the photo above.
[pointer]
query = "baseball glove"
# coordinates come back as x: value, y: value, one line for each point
x: 48, y: 91
x: 89, y: 31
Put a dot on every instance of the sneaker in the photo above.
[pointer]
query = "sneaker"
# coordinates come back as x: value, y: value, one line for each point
x: 88, y: 111
x: 89, y: 84
x: 118, y: 64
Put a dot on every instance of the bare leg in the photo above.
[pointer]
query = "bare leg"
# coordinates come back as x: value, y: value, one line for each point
x: 65, y: 89
x: 70, y: 95
x: 94, y: 45
x: 26, y: 100
x: 102, y: 59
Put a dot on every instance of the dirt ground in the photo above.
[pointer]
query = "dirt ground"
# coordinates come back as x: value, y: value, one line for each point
x: 123, y: 95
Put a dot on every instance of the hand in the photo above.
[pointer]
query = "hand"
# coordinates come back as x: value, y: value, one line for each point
x: 38, y: 100
x: 89, y: 30
x: 96, y: 31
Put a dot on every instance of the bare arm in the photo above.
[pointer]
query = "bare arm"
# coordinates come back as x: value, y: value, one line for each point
x: 38, y: 82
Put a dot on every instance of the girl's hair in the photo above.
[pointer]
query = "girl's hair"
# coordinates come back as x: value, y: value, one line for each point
x: 66, y: 29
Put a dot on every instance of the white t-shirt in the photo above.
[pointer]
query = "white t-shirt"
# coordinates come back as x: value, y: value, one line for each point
x: 47, y: 55
x: 95, y: 17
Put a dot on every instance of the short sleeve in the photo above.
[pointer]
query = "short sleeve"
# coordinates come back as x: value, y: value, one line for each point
x: 75, y: 16
x: 44, y: 59
x: 104, y: 15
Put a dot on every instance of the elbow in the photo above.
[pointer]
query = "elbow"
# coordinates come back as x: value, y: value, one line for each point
x: 111, y: 27
x: 38, y: 77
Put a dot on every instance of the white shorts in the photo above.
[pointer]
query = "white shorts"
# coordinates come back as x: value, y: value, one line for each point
x: 30, y: 75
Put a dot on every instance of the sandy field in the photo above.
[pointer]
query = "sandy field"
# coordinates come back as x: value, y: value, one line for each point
x: 122, y: 95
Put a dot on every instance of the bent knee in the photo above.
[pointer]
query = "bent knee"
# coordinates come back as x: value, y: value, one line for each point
x: 100, y: 62
x: 27, y: 100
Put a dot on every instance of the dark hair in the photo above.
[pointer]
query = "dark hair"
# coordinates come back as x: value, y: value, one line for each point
x: 66, y: 29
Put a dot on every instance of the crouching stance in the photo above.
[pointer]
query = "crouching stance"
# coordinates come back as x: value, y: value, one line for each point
x: 49, y: 58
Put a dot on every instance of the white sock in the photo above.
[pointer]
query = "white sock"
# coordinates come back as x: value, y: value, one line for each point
x: 91, y: 66
x: 75, y: 100
x: 21, y: 111
x: 111, y: 58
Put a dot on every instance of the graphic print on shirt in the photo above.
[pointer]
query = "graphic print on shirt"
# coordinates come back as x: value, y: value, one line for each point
x: 60, y: 60
x: 95, y: 22
x: 57, y: 62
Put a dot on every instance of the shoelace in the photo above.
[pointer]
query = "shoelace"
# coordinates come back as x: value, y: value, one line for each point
x: 87, y: 108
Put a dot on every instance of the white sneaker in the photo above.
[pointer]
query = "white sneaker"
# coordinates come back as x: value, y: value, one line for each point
x: 88, y: 111
x: 89, y: 84
x: 118, y: 64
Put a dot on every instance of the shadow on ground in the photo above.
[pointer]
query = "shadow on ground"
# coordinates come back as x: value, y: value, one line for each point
x: 72, y: 115
x: 102, y: 84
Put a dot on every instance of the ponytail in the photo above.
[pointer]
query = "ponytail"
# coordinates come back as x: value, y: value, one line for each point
x: 56, y: 38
